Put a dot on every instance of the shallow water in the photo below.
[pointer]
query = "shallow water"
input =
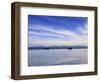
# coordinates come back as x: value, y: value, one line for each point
x: 57, y: 57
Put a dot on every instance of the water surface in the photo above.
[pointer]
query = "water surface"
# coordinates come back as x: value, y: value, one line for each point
x: 57, y: 57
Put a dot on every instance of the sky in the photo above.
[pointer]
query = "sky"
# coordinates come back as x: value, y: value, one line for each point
x: 57, y: 31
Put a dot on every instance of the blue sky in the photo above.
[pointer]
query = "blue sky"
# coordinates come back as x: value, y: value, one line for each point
x: 57, y: 30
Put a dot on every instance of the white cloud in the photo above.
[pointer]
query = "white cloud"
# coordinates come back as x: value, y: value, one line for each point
x: 83, y: 30
x: 75, y: 39
x: 56, y: 31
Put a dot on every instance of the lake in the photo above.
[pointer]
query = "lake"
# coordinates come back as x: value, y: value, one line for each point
x: 49, y: 57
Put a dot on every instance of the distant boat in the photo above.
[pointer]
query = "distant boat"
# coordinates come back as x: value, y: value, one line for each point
x: 70, y: 48
x: 46, y: 48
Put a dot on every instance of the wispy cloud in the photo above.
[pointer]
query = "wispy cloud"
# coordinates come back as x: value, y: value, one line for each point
x: 48, y: 36
x: 47, y: 30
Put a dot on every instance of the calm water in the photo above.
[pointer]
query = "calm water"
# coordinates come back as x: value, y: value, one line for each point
x: 57, y: 57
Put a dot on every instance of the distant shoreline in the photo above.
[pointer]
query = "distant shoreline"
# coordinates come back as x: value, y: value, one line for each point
x: 57, y: 47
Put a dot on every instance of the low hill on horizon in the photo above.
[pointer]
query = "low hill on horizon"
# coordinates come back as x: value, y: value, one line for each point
x: 58, y: 47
